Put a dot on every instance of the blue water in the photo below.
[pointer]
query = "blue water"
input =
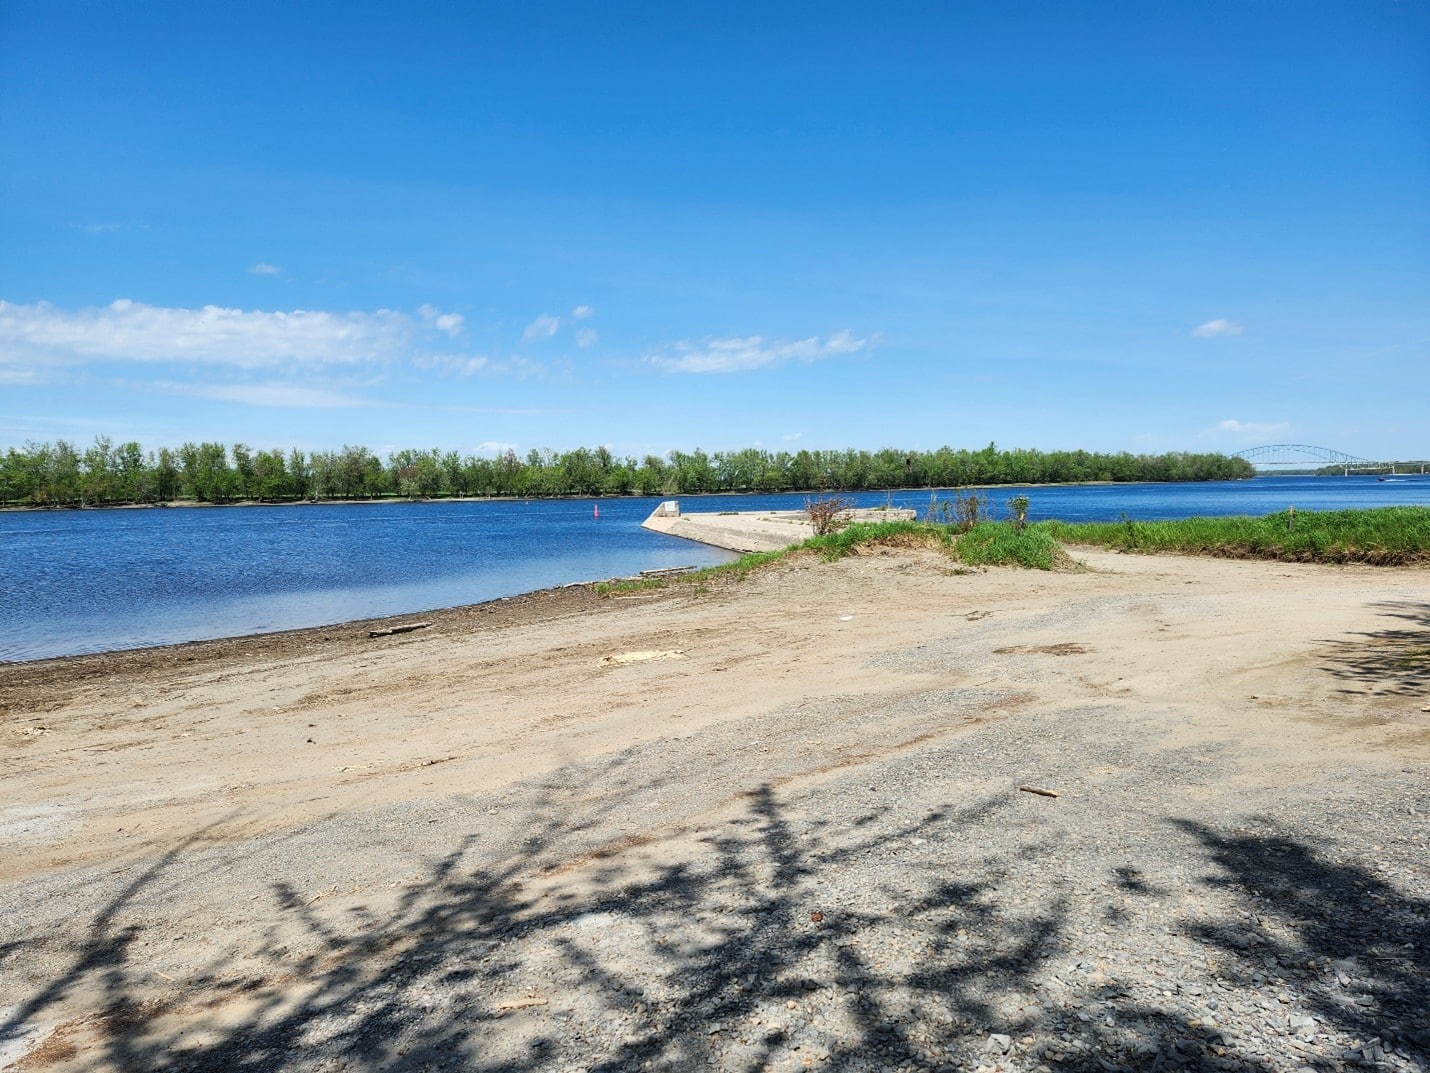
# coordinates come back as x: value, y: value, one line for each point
x: 88, y: 581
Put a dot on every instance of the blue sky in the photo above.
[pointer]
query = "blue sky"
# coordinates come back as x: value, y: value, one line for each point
x: 1141, y: 226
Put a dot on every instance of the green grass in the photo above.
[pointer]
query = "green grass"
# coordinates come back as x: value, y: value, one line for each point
x: 635, y: 584
x: 739, y: 569
x: 838, y: 544
x: 1385, y: 536
x: 1000, y: 544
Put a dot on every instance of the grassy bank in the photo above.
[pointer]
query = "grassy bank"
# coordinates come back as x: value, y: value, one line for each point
x: 1386, y: 536
x: 986, y: 544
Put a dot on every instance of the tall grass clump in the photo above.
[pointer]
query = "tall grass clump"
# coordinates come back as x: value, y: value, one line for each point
x: 902, y: 534
x: 1004, y: 544
x: 1384, y: 536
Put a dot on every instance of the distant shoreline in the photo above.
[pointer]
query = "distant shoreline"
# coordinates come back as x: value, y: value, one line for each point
x: 190, y: 503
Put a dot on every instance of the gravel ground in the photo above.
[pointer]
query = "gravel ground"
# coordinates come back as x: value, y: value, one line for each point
x: 849, y: 883
x: 916, y: 912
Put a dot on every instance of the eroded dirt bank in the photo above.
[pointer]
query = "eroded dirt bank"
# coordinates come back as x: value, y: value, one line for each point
x: 776, y: 824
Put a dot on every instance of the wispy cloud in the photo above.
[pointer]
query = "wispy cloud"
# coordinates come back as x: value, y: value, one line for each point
x: 740, y: 354
x: 495, y: 447
x: 790, y: 437
x: 99, y: 229
x: 582, y: 312
x: 41, y: 335
x: 1231, y: 428
x: 470, y: 365
x: 451, y: 323
x: 587, y: 337
x: 1214, y: 329
x: 273, y: 393
x: 467, y: 366
x: 263, y: 268
x: 543, y: 327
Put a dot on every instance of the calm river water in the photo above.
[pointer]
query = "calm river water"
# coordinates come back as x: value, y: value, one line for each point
x: 78, y: 581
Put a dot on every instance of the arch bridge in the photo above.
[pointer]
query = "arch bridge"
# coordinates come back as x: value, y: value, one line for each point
x: 1304, y: 454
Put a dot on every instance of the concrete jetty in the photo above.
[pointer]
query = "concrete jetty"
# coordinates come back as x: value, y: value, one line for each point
x: 752, y: 530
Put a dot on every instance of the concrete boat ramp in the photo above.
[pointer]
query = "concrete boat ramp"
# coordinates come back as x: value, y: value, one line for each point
x: 752, y: 530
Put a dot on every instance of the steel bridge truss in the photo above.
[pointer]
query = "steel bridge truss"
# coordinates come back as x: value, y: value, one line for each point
x: 1302, y: 454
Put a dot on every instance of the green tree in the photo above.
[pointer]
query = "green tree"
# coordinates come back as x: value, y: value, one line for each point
x: 166, y: 476
x: 245, y: 478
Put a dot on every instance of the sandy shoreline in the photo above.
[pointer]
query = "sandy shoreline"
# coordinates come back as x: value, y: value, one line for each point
x: 245, y: 839
x: 755, y: 530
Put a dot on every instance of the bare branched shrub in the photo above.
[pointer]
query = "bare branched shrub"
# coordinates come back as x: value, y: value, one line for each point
x: 1018, y: 512
x: 827, y: 513
x: 969, y: 508
x: 964, y: 511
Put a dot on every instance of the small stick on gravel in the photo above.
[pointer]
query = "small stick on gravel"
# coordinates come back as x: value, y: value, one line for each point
x: 522, y: 1003
x: 407, y: 628
x: 1039, y: 791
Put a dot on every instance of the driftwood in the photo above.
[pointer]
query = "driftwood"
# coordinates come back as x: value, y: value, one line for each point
x: 1039, y: 791
x: 667, y: 571
x: 405, y: 628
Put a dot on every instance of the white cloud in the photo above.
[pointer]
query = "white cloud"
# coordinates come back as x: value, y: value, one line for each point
x: 99, y: 229
x: 263, y: 268
x: 451, y: 323
x: 736, y: 354
x: 582, y: 312
x: 19, y: 375
x: 464, y: 365
x: 543, y: 327
x: 495, y: 447
x: 467, y: 366
x: 587, y: 337
x: 1213, y: 329
x: 42, y: 335
x: 1232, y: 427
x: 267, y: 394
x: 790, y: 437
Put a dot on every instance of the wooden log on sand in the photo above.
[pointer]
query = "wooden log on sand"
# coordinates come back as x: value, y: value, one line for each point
x: 405, y: 628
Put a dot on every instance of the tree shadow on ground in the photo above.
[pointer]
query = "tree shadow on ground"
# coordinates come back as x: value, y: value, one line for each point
x: 1357, y: 947
x: 742, y: 952
x: 104, y: 955
x: 1391, y: 661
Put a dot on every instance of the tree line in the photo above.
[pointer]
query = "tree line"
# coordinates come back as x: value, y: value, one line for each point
x: 104, y: 474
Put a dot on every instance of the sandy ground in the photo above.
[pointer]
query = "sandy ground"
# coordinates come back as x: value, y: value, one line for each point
x: 186, y: 833
x: 762, y: 530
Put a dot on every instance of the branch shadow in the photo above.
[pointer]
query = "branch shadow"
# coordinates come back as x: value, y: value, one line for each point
x: 736, y: 951
x: 1391, y: 661
x: 1357, y: 947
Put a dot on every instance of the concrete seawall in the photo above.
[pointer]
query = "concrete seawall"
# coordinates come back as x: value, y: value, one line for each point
x: 746, y: 531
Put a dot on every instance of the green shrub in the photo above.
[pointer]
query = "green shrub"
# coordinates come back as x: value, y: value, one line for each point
x: 993, y: 544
